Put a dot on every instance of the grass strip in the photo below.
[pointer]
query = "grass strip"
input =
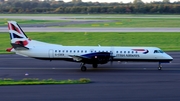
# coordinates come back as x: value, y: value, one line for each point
x: 167, y: 41
x: 118, y: 20
x: 3, y: 22
x: 36, y: 81
x: 132, y: 22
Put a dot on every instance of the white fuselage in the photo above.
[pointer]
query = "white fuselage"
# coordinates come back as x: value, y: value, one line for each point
x: 43, y: 50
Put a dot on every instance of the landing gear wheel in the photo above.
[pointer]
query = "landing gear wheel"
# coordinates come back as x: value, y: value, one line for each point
x: 95, y: 65
x: 83, y: 68
x: 160, y: 67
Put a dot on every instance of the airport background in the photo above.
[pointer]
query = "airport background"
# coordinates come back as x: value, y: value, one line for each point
x: 80, y: 7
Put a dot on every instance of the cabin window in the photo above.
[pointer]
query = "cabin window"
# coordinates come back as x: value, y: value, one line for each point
x: 70, y: 51
x: 136, y: 52
x: 81, y: 51
x: 85, y: 51
x: 124, y: 51
x: 59, y: 51
x: 128, y: 51
x: 66, y: 50
x: 74, y: 51
x: 120, y: 51
x: 91, y: 51
x: 78, y: 51
x: 63, y: 51
x: 132, y: 52
x: 116, y: 51
x: 55, y: 50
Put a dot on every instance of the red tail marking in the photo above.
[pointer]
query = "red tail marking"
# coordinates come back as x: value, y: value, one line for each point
x: 9, y: 49
x: 17, y: 42
x: 9, y: 26
x: 25, y: 42
x: 15, y: 28
x: 12, y: 27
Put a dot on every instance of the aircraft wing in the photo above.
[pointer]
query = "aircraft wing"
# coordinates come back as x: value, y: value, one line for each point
x: 78, y: 58
x: 98, y: 57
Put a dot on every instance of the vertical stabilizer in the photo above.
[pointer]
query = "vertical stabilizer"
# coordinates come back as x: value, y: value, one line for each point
x: 19, y: 40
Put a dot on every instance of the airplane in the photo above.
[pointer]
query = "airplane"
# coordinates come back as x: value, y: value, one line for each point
x: 94, y: 55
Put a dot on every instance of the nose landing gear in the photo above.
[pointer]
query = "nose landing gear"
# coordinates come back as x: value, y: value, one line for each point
x: 160, y: 66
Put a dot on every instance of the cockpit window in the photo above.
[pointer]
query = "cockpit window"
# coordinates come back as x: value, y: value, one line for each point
x: 158, y: 51
x: 155, y: 51
x: 161, y: 51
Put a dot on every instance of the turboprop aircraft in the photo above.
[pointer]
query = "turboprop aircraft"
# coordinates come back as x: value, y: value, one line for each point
x: 22, y: 45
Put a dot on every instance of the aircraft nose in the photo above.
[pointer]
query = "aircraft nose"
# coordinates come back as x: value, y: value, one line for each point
x: 168, y: 57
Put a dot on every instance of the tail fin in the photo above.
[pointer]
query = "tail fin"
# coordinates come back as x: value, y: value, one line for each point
x: 19, y: 40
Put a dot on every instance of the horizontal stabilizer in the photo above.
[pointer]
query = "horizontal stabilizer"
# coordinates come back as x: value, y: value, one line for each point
x: 19, y: 47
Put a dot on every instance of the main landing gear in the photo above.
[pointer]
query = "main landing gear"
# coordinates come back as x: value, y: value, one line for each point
x: 94, y: 65
x: 83, y: 68
x: 160, y: 67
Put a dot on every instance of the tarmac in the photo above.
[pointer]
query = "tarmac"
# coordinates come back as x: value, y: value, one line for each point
x: 122, y: 81
x: 52, y: 29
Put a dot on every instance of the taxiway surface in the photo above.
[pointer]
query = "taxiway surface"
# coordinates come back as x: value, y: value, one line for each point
x: 51, y: 29
x: 119, y: 82
x: 83, y: 18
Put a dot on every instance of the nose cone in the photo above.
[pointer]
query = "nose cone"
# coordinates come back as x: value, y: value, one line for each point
x: 168, y: 57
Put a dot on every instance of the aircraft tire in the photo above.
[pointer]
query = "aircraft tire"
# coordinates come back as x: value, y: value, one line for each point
x: 83, y: 68
x: 160, y: 68
x: 95, y: 65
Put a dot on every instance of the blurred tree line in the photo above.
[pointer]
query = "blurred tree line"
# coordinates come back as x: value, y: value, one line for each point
x: 136, y: 7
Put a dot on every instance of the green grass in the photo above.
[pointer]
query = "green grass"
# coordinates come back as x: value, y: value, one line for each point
x: 21, y: 21
x: 119, y: 20
x: 36, y: 81
x: 167, y: 41
x: 134, y: 22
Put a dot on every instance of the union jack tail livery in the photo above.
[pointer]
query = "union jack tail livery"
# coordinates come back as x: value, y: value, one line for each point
x: 19, y: 40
